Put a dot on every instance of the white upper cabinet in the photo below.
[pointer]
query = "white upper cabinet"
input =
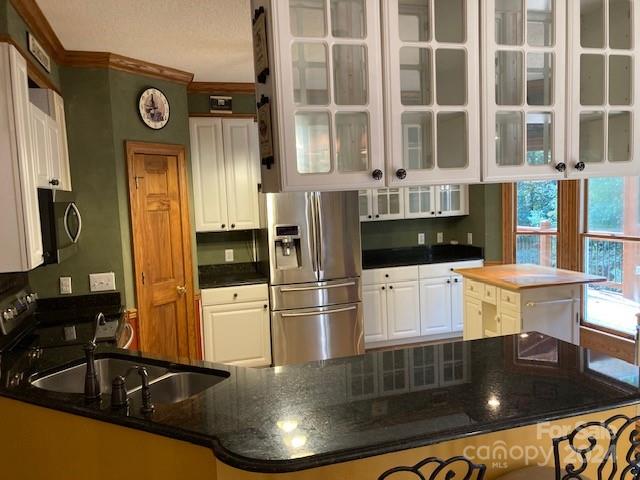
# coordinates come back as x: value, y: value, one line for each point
x: 604, y: 68
x: 524, y: 75
x: 325, y: 94
x: 436, y: 201
x: 432, y: 106
x: 224, y: 157
x: 381, y: 204
x: 51, y: 154
x: 20, y: 236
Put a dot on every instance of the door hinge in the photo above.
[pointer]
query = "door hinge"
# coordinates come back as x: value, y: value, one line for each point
x: 143, y: 278
x: 137, y: 179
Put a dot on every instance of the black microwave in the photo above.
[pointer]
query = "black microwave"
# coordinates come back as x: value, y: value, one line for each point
x: 61, y: 224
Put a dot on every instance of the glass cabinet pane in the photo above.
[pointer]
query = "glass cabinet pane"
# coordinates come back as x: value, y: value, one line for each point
x: 509, y: 141
x: 509, y: 22
x: 394, y: 201
x: 415, y: 76
x: 313, y: 142
x: 540, y: 78
x: 352, y: 141
x: 540, y: 22
x: 620, y: 24
x: 592, y: 23
x: 620, y: 68
x: 420, y: 200
x: 413, y: 18
x: 363, y: 203
x: 451, y: 75
x: 307, y: 18
x: 383, y: 201
x: 619, y: 140
x: 310, y: 83
x: 592, y: 137
x: 417, y: 140
x: 348, y: 19
x: 509, y: 82
x: 539, y: 138
x: 450, y: 21
x: 452, y: 140
x: 591, y: 79
x: 350, y: 75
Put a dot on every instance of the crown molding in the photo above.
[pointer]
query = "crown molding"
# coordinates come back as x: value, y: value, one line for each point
x: 40, y: 27
x: 33, y: 69
x: 222, y: 87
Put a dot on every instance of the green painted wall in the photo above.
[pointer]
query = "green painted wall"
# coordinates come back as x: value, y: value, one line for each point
x: 242, y: 103
x: 211, y: 247
x: 484, y: 222
x: 4, y: 5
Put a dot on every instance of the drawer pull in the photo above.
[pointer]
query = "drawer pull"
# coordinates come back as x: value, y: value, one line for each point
x: 309, y: 289
x: 313, y: 314
x: 551, y: 302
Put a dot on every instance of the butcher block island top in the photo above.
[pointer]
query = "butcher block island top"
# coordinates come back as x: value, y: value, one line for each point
x: 520, y: 277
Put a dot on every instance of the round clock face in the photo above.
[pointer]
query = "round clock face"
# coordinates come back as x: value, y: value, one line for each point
x: 154, y: 108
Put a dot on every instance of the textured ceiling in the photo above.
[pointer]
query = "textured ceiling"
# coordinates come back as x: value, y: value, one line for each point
x: 210, y: 38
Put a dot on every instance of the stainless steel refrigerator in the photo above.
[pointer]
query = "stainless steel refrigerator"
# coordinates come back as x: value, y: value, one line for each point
x: 315, y: 267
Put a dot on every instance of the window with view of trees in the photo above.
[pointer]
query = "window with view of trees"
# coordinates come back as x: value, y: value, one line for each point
x: 537, y: 222
x: 612, y: 250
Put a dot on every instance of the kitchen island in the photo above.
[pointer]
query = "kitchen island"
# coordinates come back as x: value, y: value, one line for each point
x: 346, y: 418
x: 509, y: 299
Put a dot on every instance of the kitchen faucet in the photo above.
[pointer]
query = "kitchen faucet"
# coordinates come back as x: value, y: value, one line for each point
x: 119, y: 398
x: 91, y: 380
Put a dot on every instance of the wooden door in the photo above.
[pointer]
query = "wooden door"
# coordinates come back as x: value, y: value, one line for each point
x: 374, y: 302
x: 162, y: 249
x: 435, y: 306
x: 403, y: 310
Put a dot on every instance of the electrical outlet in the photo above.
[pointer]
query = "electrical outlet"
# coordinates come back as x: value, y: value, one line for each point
x: 102, y: 282
x: 421, y: 239
x: 228, y: 255
x: 65, y: 286
x: 440, y: 237
x: 470, y: 238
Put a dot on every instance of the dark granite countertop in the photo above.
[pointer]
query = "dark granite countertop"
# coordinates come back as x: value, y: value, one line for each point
x: 400, y: 257
x: 304, y: 416
x: 231, y: 274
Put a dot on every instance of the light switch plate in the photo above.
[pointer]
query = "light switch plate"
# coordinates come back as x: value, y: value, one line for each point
x: 421, y: 240
x: 470, y: 238
x: 102, y: 282
x: 228, y: 255
x: 440, y: 237
x: 65, y: 286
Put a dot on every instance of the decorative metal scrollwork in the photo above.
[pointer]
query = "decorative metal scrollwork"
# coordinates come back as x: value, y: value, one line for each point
x: 606, y: 434
x: 455, y: 468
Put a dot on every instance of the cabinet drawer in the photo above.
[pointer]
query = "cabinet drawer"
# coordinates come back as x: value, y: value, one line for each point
x: 227, y: 295
x: 445, y: 269
x: 473, y: 288
x: 510, y: 299
x: 490, y: 294
x: 389, y: 275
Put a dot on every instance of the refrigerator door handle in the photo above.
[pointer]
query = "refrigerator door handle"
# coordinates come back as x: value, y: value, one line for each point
x: 313, y: 229
x: 319, y: 287
x: 316, y: 313
x: 319, y: 236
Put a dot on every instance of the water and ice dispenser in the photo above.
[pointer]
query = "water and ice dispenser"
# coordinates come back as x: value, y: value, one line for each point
x: 287, y: 240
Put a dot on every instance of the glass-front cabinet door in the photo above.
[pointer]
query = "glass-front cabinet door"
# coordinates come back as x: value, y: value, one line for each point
x: 604, y: 122
x: 524, y: 78
x: 452, y: 200
x: 432, y: 77
x: 329, y: 93
x: 381, y: 204
x: 420, y: 201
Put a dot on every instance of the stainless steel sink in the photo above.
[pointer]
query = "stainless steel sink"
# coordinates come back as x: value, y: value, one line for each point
x: 176, y: 387
x: 71, y: 380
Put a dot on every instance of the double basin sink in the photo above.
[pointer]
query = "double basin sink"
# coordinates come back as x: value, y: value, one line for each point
x: 166, y: 386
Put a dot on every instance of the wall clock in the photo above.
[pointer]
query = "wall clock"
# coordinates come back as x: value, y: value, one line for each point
x: 154, y: 108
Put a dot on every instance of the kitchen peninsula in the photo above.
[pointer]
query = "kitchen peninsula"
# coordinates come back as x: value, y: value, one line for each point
x: 341, y: 418
x: 508, y: 299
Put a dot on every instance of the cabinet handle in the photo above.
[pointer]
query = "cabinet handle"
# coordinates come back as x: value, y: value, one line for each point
x: 580, y: 166
x: 440, y: 213
x: 401, y: 173
x: 370, y: 216
x: 383, y: 288
x: 386, y: 275
x: 377, y: 174
x: 456, y: 280
x: 222, y: 226
x: 233, y: 225
x: 390, y: 287
x: 448, y: 281
x: 377, y: 216
x: 561, y: 167
x: 433, y: 213
x: 54, y: 181
x: 498, y: 319
x: 480, y: 312
x: 265, y: 306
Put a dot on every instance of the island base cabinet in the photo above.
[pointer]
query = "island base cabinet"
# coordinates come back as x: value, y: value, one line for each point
x: 166, y: 458
x: 472, y: 319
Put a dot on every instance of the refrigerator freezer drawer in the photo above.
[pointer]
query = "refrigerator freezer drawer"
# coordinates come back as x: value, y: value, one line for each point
x: 310, y: 334
x: 316, y: 294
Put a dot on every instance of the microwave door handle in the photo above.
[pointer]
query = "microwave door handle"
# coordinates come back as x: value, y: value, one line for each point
x: 74, y: 207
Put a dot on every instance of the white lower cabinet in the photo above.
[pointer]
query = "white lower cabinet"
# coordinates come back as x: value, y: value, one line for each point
x: 409, y: 304
x: 235, y: 330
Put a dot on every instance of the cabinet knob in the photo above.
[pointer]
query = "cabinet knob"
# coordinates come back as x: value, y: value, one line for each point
x: 235, y: 295
x: 54, y: 181
x: 223, y: 225
x: 386, y: 275
x: 561, y: 167
x: 580, y: 166
x: 448, y: 281
x: 383, y: 288
x: 440, y: 212
x: 401, y: 173
x: 377, y: 174
x: 456, y: 280
x: 370, y: 216
x: 377, y: 216
x: 233, y: 225
x: 265, y: 306
x: 433, y: 213
x: 390, y: 287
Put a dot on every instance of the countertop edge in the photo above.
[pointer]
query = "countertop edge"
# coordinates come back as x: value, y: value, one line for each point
x: 515, y: 287
x: 418, y: 264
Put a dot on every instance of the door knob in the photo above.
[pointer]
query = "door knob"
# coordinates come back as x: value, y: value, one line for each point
x: 401, y: 173
x: 561, y: 167
x: 181, y: 289
x: 54, y: 181
x: 377, y: 174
